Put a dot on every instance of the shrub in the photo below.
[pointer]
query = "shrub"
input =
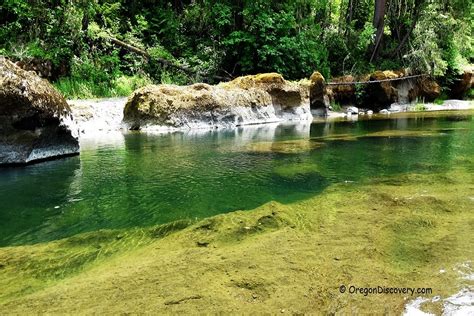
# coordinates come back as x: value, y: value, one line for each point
x: 76, y: 88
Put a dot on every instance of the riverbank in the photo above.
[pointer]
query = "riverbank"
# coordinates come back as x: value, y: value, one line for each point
x: 100, y: 117
x: 277, y: 258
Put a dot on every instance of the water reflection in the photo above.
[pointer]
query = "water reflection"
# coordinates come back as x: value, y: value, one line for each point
x: 141, y: 179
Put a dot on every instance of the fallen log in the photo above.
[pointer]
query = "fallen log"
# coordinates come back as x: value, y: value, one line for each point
x: 163, y: 61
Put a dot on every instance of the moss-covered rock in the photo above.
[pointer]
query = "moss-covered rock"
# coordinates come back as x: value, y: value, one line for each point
x: 31, y: 118
x: 463, y: 83
x: 246, y: 100
x: 318, y: 93
x: 344, y: 93
x: 384, y: 93
x: 425, y: 88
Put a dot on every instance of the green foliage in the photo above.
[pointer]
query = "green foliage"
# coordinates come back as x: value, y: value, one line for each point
x: 360, y: 93
x: 273, y: 40
x: 470, y: 94
x: 443, y: 97
x: 76, y: 88
x: 231, y: 38
x: 438, y: 101
x: 419, y: 107
x: 125, y: 85
x: 435, y: 48
x: 335, y: 106
x: 366, y: 37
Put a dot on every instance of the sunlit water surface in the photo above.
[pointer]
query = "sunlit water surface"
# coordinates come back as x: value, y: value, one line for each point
x: 139, y: 180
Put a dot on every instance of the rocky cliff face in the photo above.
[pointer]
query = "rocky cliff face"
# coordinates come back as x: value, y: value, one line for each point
x: 32, y: 113
x: 246, y: 100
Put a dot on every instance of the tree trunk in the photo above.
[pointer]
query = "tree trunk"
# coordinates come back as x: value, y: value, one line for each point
x: 379, y: 21
x: 415, y: 15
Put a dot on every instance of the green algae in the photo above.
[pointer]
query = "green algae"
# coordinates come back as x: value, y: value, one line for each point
x: 148, y: 179
x: 291, y: 257
x: 27, y: 269
x: 336, y: 137
x: 291, y: 171
x: 283, y: 147
x: 386, y: 134
x: 404, y: 133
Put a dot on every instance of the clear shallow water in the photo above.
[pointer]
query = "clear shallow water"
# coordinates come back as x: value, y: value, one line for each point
x: 132, y: 180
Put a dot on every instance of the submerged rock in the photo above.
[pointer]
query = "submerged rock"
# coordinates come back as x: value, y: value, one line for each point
x: 31, y: 118
x: 255, y: 99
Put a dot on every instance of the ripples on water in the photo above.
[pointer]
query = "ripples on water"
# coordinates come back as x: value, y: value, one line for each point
x: 141, y: 179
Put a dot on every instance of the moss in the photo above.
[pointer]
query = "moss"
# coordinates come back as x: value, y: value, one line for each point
x: 25, y: 89
x: 316, y: 77
x: 269, y: 78
x: 265, y: 81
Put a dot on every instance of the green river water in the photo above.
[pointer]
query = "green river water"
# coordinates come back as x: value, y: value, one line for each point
x: 140, y: 180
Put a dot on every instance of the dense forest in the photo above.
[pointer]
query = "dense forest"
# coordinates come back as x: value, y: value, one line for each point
x: 109, y: 47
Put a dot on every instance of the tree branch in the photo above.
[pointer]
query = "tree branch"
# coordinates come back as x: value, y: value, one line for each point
x: 163, y: 61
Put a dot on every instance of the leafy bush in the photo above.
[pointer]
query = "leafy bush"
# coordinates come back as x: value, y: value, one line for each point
x: 335, y: 106
x: 419, y: 107
x: 231, y: 38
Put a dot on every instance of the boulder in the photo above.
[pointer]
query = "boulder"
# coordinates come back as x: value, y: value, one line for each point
x: 283, y: 93
x: 426, y: 89
x: 32, y: 115
x: 245, y: 100
x: 382, y: 94
x: 352, y: 110
x: 344, y: 93
x: 41, y: 67
x: 318, y: 94
x: 463, y: 83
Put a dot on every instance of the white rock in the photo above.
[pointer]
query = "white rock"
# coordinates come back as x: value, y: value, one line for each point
x: 352, y: 110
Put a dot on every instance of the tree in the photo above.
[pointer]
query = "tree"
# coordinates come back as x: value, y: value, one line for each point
x: 379, y: 23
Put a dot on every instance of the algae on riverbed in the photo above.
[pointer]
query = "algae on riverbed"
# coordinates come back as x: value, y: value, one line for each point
x: 276, y: 258
x: 375, y: 211
x: 283, y: 147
